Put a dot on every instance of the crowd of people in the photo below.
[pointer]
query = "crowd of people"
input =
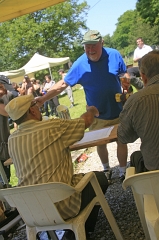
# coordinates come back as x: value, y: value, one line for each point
x: 40, y: 149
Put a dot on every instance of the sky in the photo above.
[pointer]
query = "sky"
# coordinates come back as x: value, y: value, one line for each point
x: 104, y: 14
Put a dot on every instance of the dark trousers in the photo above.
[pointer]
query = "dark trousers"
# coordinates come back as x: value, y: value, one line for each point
x: 53, y: 103
x: 137, y: 161
x: 87, y: 195
x: 6, y: 170
x: 134, y: 71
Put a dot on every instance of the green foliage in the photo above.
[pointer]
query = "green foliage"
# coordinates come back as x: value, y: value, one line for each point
x: 79, y: 100
x: 122, y: 38
x: 149, y: 11
x: 130, y: 26
x: 107, y: 41
x: 14, y: 179
x: 50, y: 32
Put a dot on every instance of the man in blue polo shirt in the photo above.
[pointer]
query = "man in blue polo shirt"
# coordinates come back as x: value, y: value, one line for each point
x: 97, y: 70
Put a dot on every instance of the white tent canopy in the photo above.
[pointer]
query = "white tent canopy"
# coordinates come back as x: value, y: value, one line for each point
x: 39, y: 62
x: 36, y: 63
x: 13, y: 73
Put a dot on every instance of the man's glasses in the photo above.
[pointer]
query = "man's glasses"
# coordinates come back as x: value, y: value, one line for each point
x: 33, y: 104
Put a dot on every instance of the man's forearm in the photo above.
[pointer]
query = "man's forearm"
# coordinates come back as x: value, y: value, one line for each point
x: 89, y: 116
x: 55, y: 90
x: 136, y: 59
x: 2, y: 110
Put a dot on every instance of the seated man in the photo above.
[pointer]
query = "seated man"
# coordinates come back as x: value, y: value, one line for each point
x: 40, y: 153
x: 140, y: 114
x: 139, y: 52
x: 5, y: 97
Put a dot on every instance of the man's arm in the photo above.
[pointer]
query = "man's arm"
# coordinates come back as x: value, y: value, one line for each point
x: 126, y: 132
x: 2, y: 110
x: 89, y: 115
x: 53, y: 91
x: 125, y: 81
x: 136, y: 59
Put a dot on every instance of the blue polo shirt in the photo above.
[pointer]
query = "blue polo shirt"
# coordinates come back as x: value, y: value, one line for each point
x: 100, y: 81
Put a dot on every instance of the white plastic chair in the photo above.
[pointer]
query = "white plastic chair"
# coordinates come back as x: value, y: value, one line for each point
x: 145, y: 187
x: 36, y: 206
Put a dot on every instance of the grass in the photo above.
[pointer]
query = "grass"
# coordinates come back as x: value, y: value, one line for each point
x: 79, y: 100
x: 75, y: 112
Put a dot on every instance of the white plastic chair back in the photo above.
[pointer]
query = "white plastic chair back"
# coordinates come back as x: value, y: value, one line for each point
x: 145, y: 187
x: 36, y: 206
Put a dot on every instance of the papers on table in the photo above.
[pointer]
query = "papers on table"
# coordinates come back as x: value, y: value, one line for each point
x: 95, y: 135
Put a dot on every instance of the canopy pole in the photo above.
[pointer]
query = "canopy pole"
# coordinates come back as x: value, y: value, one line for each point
x: 50, y: 73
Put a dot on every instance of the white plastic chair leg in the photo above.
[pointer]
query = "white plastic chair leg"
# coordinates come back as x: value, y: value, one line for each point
x: 31, y: 233
x: 106, y: 209
x: 80, y: 232
x: 53, y: 235
x: 140, y: 207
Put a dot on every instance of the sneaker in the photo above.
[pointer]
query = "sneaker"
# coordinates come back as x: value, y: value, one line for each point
x: 72, y: 105
x: 122, y: 178
x: 69, y: 235
x: 88, y: 236
x: 108, y: 174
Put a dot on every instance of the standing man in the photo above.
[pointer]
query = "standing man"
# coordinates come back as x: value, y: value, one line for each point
x: 5, y: 97
x: 139, y: 117
x: 68, y: 90
x: 97, y: 71
x: 139, y: 52
x: 54, y: 102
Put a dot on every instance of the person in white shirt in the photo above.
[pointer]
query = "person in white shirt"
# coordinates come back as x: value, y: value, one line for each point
x: 68, y: 90
x: 54, y: 102
x: 139, y: 52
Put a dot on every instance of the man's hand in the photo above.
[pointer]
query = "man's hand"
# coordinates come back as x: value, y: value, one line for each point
x: 92, y: 109
x: 125, y: 81
x: 89, y: 115
x: 40, y: 101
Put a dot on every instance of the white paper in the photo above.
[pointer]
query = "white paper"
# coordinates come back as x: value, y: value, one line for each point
x: 95, y: 135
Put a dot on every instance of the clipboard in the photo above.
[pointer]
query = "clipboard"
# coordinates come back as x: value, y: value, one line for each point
x: 96, y: 138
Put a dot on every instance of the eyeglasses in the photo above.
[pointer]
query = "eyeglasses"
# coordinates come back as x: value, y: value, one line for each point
x: 33, y: 104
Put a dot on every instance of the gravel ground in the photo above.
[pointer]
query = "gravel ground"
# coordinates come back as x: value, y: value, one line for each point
x: 120, y: 201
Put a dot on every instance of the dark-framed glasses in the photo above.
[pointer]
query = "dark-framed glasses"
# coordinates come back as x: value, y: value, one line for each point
x: 33, y: 104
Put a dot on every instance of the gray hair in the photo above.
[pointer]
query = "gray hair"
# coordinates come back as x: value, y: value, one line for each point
x: 149, y: 64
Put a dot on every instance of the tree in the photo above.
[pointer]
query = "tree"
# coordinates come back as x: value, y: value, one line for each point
x: 50, y: 32
x: 130, y: 26
x: 121, y: 39
x: 149, y: 11
x: 107, y: 41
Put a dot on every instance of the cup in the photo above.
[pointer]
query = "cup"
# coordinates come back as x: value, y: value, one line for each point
x: 63, y: 112
x: 124, y: 79
x: 125, y: 82
x: 44, y: 118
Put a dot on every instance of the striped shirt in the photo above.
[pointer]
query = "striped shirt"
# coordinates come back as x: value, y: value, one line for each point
x: 40, y: 153
x: 140, y: 119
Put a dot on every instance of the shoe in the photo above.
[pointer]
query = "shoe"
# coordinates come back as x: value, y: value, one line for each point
x: 88, y: 236
x: 69, y: 235
x: 108, y: 174
x: 72, y: 105
x: 122, y: 178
